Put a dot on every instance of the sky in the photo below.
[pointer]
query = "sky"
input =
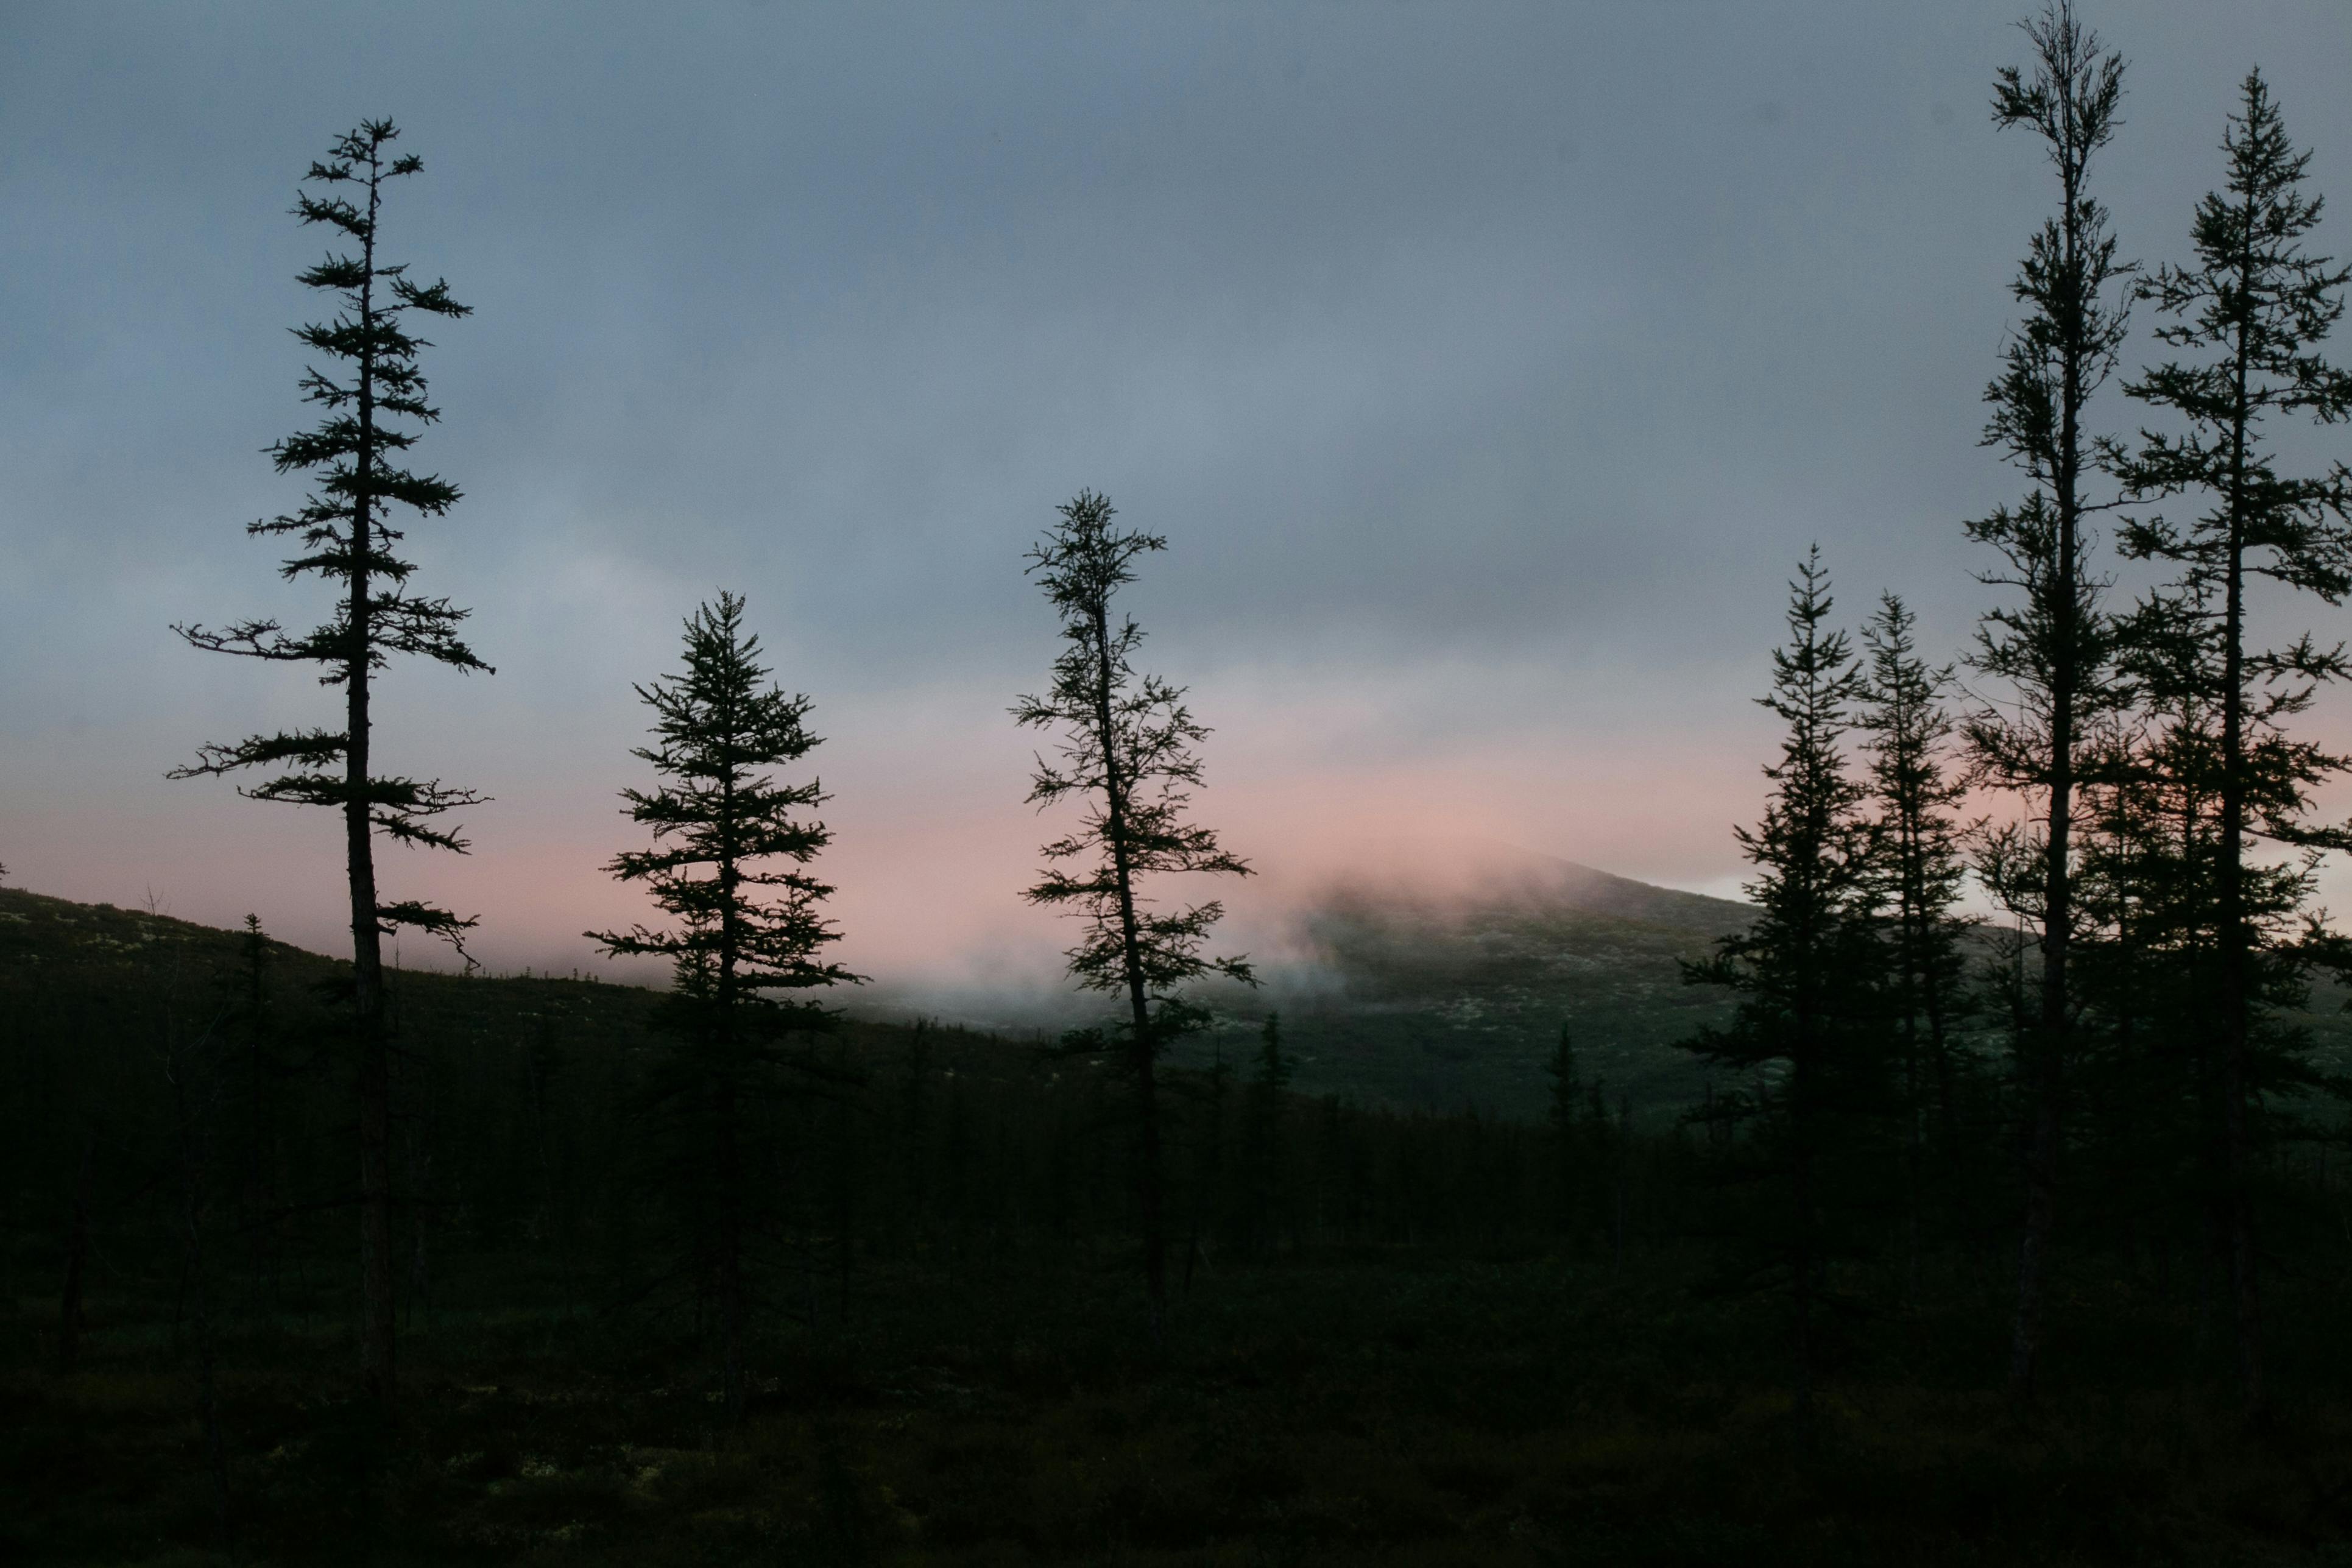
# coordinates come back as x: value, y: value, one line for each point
x: 1487, y: 368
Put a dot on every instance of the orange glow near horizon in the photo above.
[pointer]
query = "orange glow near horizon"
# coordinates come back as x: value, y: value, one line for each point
x: 933, y: 844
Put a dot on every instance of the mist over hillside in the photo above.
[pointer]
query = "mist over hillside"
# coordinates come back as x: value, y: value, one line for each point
x: 1433, y: 975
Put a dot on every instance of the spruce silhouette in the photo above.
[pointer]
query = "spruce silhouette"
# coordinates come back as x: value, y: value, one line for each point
x: 2251, y: 312
x: 731, y: 845
x: 1806, y: 971
x: 2056, y: 649
x: 345, y: 534
x: 1127, y: 753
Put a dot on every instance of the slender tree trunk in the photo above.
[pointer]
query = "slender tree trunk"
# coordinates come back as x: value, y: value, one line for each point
x: 727, y: 1158
x: 1914, y: 917
x: 1914, y: 1160
x: 1151, y: 1193
x: 1147, y: 1152
x: 733, y: 1309
x: 2050, y: 1042
x: 2236, y: 938
x: 2046, y: 1088
x: 374, y: 1078
x: 2244, y: 1279
x: 1801, y: 1136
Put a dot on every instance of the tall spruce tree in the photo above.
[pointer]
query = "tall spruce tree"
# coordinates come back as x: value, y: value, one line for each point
x: 1807, y: 970
x: 1128, y: 751
x: 2055, y: 649
x: 1915, y: 793
x: 345, y: 534
x: 732, y: 847
x: 2249, y: 315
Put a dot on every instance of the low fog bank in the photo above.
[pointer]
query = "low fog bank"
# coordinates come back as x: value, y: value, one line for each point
x: 1287, y: 919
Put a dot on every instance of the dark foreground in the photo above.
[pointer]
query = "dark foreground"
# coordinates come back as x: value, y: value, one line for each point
x: 1363, y: 1409
x: 1411, y: 1340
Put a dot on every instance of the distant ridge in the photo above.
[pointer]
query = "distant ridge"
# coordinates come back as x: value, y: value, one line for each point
x: 1439, y: 974
x: 1434, y: 977
x: 1480, y: 872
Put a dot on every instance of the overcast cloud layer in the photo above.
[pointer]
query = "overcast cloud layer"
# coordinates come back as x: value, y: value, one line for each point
x: 1488, y: 367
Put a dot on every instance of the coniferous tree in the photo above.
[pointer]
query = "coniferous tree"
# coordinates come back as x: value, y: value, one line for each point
x: 2250, y: 315
x: 1128, y: 751
x: 728, y: 865
x: 1806, y: 970
x: 258, y: 1196
x: 1915, y: 793
x: 2055, y: 649
x: 346, y: 534
x: 2146, y: 881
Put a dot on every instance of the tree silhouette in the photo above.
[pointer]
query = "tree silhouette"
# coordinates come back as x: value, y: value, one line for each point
x: 1128, y: 751
x: 2056, y: 649
x: 2252, y: 311
x: 345, y: 534
x: 1807, y: 970
x: 1914, y: 793
x: 743, y: 926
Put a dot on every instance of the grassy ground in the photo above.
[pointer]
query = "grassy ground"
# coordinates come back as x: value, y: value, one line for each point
x: 1342, y: 1410
x: 1408, y: 1406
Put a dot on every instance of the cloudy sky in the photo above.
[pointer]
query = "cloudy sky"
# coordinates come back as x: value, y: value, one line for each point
x: 1486, y: 366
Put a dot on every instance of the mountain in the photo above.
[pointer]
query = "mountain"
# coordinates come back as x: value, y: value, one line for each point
x: 1446, y: 983
x: 1430, y: 984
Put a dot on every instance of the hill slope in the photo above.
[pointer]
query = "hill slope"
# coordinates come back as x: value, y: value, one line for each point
x: 1438, y: 993
x: 1411, y: 993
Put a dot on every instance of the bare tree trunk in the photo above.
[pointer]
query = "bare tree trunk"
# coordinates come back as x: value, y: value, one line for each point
x: 1915, y: 949
x: 1800, y: 1133
x: 258, y: 1199
x: 375, y: 1077
x: 2046, y: 1079
x: 2245, y: 1288
x: 732, y: 1312
x: 2236, y: 930
x: 2073, y: 140
x: 1151, y: 1194
x: 376, y: 1320
x: 1148, y: 1152
x: 2041, y: 1208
